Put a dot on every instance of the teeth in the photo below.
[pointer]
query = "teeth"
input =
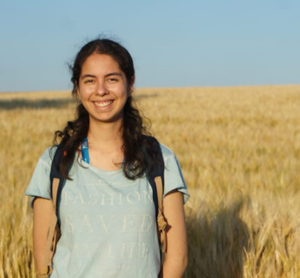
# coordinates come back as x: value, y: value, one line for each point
x: 103, y: 104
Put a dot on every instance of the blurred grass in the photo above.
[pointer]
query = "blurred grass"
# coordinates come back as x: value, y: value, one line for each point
x: 239, y: 148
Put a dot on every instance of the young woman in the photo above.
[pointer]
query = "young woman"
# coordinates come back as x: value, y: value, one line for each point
x: 108, y: 221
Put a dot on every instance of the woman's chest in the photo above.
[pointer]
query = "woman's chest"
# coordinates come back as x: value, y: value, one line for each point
x: 107, y: 205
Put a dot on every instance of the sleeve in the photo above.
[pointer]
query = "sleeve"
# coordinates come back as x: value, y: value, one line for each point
x: 173, y: 178
x: 39, y: 185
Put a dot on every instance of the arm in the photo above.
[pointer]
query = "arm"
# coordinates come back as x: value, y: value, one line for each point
x: 42, y: 210
x: 176, y: 255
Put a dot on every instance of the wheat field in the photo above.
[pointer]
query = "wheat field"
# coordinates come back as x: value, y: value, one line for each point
x: 239, y: 149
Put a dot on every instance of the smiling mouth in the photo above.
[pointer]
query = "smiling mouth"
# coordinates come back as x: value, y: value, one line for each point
x: 103, y: 103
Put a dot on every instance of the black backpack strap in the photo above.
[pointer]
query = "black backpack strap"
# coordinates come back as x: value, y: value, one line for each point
x: 154, y: 168
x: 155, y: 175
x: 55, y: 173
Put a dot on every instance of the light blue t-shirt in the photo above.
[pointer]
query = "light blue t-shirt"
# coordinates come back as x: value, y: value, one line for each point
x: 108, y: 223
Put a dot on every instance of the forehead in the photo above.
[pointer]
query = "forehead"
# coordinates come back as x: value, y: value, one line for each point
x: 100, y: 63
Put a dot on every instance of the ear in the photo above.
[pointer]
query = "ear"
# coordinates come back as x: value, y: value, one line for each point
x: 130, y: 89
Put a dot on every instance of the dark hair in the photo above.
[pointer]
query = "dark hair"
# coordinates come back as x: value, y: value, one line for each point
x: 102, y: 46
x: 133, y: 127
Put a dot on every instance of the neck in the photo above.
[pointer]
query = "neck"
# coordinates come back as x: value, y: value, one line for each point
x: 105, y: 136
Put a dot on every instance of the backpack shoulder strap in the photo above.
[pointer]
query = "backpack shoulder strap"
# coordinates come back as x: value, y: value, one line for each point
x: 155, y: 176
x: 154, y: 169
x: 56, y: 174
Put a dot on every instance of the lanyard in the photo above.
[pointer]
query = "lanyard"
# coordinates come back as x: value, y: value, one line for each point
x: 85, y: 150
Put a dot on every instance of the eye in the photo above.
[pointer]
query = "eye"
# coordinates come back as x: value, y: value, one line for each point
x: 88, y: 81
x: 113, y: 80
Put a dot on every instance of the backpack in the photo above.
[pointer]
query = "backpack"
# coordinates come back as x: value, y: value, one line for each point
x: 154, y: 175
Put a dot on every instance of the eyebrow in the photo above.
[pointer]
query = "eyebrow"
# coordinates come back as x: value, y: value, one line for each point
x: 113, y: 73
x: 87, y: 75
x: 107, y: 75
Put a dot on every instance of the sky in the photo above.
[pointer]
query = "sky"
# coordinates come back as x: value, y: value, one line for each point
x: 174, y: 43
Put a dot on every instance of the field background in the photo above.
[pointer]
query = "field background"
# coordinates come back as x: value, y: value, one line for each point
x: 239, y: 148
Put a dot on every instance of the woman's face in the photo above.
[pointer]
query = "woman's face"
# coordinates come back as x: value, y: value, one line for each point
x: 102, y: 88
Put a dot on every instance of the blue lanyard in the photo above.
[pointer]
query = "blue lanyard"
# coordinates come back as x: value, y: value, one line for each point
x: 85, y: 150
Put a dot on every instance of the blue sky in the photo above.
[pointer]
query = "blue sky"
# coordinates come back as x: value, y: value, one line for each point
x: 173, y: 43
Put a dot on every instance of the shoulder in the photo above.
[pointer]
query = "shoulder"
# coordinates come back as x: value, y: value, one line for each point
x: 166, y: 152
x: 39, y: 185
x: 173, y: 175
x: 169, y: 157
x: 47, y: 156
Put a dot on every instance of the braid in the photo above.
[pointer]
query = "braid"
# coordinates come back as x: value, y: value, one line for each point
x: 133, y: 129
x: 71, y: 137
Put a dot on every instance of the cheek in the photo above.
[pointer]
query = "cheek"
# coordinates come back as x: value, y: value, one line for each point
x: 84, y: 92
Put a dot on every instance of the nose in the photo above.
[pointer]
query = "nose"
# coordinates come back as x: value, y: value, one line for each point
x: 101, y: 89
